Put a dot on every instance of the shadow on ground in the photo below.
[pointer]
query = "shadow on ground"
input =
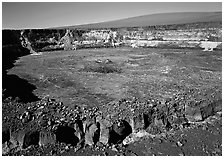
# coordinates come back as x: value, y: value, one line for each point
x: 17, y: 87
x: 12, y: 85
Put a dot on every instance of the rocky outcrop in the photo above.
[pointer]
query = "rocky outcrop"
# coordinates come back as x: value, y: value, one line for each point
x: 206, y: 45
x: 207, y: 36
x: 92, y: 126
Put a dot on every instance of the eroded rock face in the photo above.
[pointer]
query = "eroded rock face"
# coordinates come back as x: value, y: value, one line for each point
x: 78, y: 128
x: 66, y: 134
x: 205, y: 36
x: 120, y: 130
x: 47, y: 138
x: 105, y: 129
x: 31, y: 138
x: 92, y: 134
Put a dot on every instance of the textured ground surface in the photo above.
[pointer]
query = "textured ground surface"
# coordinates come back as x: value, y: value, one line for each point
x: 85, y: 78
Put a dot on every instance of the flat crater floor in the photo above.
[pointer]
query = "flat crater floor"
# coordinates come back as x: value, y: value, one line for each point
x: 75, y: 77
x: 95, y: 77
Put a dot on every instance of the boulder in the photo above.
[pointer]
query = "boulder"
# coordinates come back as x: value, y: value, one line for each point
x: 137, y: 122
x: 92, y: 134
x: 206, y: 110
x: 202, y: 111
x: 193, y: 114
x: 78, y: 129
x: 17, y: 139
x: 105, y: 128
x: 47, y: 138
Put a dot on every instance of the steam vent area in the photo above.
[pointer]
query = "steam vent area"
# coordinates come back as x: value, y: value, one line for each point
x: 126, y: 91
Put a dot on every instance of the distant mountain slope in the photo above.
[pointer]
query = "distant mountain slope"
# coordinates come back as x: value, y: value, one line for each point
x: 157, y: 19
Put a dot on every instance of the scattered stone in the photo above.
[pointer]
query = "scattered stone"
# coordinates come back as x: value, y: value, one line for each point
x: 179, y: 144
x: 98, y: 61
x: 113, y: 147
x: 26, y: 117
x: 99, y: 129
x: 107, y: 61
x: 5, y: 148
x: 182, y: 154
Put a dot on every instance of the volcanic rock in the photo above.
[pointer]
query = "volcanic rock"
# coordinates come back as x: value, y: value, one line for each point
x: 107, y: 61
x: 31, y: 138
x: 137, y: 122
x: 193, y: 114
x: 66, y: 134
x: 6, y: 132
x: 92, y: 134
x: 120, y: 130
x: 47, y: 138
x: 17, y: 139
x: 105, y: 128
x: 5, y: 148
x: 207, y: 109
x: 26, y: 116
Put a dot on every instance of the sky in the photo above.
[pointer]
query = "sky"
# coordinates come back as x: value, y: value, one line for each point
x: 21, y: 15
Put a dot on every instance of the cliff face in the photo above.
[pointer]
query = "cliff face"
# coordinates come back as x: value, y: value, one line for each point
x: 197, y: 35
x: 11, y: 48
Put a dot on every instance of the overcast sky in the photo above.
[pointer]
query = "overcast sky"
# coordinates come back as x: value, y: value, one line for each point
x: 53, y: 14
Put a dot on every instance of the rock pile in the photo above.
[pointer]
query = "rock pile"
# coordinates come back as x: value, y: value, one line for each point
x: 116, y: 122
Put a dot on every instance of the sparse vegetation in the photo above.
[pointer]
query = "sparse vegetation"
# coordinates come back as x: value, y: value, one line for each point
x: 101, y: 68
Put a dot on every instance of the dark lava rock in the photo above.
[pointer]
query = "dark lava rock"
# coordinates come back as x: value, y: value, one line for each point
x: 26, y: 116
x: 92, y: 134
x: 120, y: 130
x: 201, y: 110
x: 47, y: 138
x: 78, y: 127
x: 66, y: 134
x: 193, y: 114
x: 5, y: 134
x: 105, y: 129
x: 139, y: 122
x: 78, y: 132
x: 31, y: 138
x: 208, y: 109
